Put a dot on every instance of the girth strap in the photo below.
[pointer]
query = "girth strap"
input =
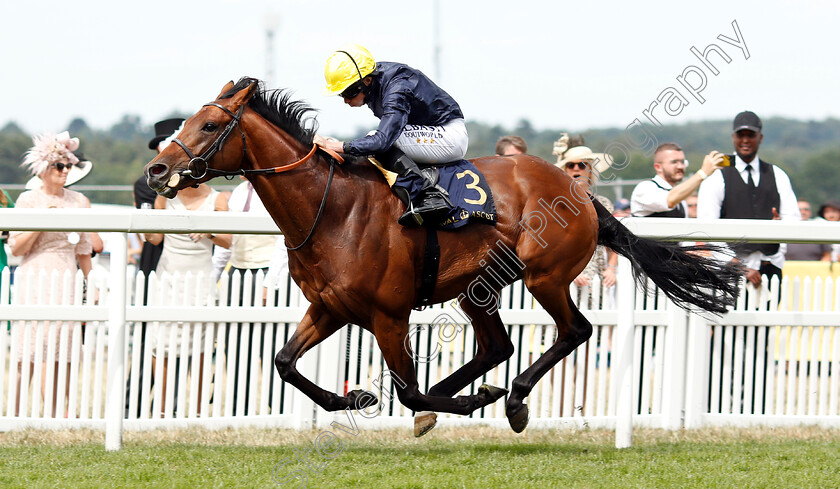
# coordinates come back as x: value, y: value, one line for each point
x: 431, y: 262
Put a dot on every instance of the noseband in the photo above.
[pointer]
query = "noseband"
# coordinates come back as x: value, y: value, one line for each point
x: 198, y: 168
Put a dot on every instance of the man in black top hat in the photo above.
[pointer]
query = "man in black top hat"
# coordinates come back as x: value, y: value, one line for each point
x: 164, y: 129
x: 144, y: 197
x: 750, y: 189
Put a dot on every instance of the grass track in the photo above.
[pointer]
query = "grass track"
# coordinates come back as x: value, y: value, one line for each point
x: 446, y: 458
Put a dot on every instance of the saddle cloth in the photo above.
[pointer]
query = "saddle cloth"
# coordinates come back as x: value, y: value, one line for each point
x: 468, y: 191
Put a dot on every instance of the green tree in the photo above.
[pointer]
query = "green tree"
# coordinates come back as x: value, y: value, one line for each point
x: 78, y: 126
x: 817, y: 180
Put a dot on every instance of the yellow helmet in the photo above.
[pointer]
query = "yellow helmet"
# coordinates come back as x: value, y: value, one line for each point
x: 346, y: 66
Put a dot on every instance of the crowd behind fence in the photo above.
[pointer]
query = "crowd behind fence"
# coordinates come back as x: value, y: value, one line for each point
x: 773, y: 360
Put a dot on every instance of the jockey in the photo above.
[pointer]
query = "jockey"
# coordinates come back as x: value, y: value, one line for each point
x: 419, y: 123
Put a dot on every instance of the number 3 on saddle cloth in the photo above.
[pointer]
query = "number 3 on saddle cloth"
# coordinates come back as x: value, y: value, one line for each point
x: 468, y: 191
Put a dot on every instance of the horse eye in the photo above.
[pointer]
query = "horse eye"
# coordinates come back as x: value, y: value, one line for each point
x: 210, y: 127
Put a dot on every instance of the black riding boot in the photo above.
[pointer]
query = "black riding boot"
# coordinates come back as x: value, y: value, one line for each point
x: 432, y: 204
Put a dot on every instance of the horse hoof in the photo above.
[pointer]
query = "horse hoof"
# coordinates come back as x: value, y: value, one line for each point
x: 361, y: 399
x: 492, y: 393
x: 519, y: 419
x: 424, y: 421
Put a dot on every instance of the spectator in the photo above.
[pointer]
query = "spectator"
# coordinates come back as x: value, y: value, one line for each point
x: 184, y: 253
x: 278, y: 269
x: 144, y: 197
x: 148, y: 255
x: 830, y: 211
x: 511, y: 145
x: 51, y: 159
x: 691, y: 206
x: 77, y: 172
x: 622, y: 208
x: 807, y: 251
x: 577, y: 162
x: 6, y: 202
x: 403, y: 98
x: 135, y: 249
x: 804, y: 210
x: 248, y: 253
x: 750, y: 189
x: 664, y: 194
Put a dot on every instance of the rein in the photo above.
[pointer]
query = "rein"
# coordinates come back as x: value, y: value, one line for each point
x: 215, y: 146
x: 319, y: 214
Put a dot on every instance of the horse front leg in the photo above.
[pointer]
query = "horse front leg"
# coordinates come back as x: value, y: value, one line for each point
x: 316, y: 326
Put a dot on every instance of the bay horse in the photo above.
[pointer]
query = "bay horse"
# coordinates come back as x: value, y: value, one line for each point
x: 355, y: 264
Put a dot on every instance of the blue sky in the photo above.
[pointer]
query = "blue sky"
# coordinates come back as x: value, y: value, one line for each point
x: 592, y: 64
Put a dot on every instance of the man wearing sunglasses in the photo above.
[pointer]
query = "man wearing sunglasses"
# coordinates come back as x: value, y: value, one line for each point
x: 419, y: 124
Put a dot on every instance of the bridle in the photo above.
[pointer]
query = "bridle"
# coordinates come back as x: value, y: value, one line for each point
x: 215, y: 146
x: 198, y: 164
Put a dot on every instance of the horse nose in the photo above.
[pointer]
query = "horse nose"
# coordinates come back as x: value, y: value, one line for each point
x: 158, y: 169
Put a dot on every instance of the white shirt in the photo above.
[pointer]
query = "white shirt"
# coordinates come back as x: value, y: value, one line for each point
x: 649, y: 198
x: 278, y: 269
x: 710, y: 198
x: 253, y: 251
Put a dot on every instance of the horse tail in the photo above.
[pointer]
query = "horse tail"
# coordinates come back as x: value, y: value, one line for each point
x: 686, y: 278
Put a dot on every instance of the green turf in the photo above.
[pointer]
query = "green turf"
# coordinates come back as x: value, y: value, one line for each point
x: 446, y: 458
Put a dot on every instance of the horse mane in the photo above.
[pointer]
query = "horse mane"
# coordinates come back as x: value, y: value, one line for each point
x: 277, y: 107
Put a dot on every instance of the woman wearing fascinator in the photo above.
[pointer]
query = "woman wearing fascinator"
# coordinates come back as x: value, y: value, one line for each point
x: 51, y: 159
x: 584, y: 166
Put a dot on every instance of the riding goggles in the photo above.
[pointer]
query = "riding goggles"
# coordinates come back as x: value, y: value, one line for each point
x: 352, y: 90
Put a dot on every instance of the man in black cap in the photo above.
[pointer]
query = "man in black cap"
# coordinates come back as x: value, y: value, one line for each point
x: 750, y: 189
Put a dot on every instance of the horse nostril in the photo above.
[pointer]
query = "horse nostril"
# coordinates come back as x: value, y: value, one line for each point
x: 158, y: 169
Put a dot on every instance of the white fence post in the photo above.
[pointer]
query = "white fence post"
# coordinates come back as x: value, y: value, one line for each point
x: 697, y: 371
x: 622, y: 370
x: 115, y: 394
x: 675, y: 367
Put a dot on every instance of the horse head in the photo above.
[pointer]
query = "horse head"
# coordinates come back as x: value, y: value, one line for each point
x: 204, y: 148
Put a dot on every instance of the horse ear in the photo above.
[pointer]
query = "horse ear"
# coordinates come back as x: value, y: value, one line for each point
x: 242, y: 96
x: 225, y: 88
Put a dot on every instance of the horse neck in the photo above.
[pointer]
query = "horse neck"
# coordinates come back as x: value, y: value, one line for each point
x: 291, y: 197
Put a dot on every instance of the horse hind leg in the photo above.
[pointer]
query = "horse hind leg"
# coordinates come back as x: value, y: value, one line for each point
x: 390, y: 335
x: 573, y: 329
x: 494, y: 347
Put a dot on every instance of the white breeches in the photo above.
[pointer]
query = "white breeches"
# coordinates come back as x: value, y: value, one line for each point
x: 435, y: 144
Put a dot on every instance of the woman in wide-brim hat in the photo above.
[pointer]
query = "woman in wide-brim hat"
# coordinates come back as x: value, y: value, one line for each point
x: 584, y: 166
x: 77, y: 172
x: 51, y: 158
